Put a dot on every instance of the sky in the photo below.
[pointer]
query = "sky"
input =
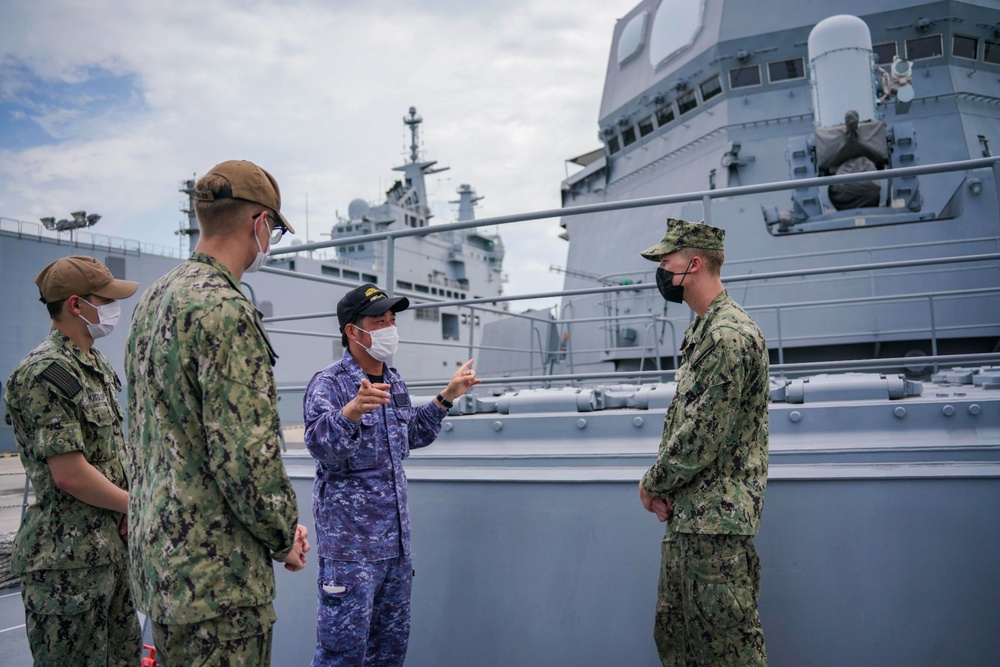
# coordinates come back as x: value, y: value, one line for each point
x: 106, y: 106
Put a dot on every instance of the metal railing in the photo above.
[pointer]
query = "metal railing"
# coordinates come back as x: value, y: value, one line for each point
x: 78, y: 238
x: 537, y: 352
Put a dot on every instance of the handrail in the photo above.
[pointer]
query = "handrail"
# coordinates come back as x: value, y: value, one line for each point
x: 775, y: 369
x: 740, y: 190
x: 612, y: 319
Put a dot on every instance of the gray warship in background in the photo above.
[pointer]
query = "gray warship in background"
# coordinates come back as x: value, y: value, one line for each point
x: 444, y: 267
x: 846, y: 150
x: 847, y: 154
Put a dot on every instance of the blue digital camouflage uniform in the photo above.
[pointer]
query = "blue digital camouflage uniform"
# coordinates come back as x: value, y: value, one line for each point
x: 361, y: 517
x: 78, y: 606
x: 712, y: 466
x: 211, y: 502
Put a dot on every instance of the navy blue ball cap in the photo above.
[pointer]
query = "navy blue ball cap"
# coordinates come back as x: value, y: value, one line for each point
x: 367, y: 300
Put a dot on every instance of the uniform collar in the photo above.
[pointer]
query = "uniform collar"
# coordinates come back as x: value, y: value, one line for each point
x: 65, y: 343
x: 389, y: 374
x: 218, y: 266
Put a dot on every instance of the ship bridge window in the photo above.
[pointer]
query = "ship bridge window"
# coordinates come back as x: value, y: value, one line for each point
x: 645, y: 126
x: 632, y: 38
x: 991, y: 53
x: 351, y: 275
x: 743, y: 77
x: 675, y: 27
x: 613, y: 146
x: 711, y: 88
x: 687, y: 102
x: 628, y: 136
x: 919, y: 48
x: 885, y: 52
x: 965, y: 47
x: 786, y: 70
x: 665, y: 115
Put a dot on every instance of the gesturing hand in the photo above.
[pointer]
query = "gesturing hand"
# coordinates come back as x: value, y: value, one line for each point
x: 371, y: 396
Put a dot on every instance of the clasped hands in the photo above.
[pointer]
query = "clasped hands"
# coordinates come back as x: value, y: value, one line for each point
x: 296, y: 558
x: 661, y: 507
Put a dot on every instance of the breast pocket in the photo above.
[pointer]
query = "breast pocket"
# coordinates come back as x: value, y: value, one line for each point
x: 365, y: 457
x: 100, y: 436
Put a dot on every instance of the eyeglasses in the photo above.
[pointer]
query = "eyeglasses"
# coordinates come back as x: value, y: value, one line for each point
x: 279, y: 228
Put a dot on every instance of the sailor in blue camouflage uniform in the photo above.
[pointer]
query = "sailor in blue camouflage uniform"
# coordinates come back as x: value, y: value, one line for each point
x: 709, y: 478
x: 62, y: 401
x: 360, y: 425
x: 211, y: 503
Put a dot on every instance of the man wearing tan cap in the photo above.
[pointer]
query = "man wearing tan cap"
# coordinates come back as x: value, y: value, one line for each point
x: 708, y: 480
x: 211, y: 503
x: 62, y: 400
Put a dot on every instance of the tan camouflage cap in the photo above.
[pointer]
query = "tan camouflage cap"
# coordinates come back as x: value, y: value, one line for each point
x: 78, y: 275
x: 248, y: 182
x: 684, y: 234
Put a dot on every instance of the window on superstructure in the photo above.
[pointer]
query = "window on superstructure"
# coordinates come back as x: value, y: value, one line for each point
x: 628, y: 136
x: 401, y: 284
x: 920, y: 48
x: 665, y: 115
x: 369, y: 278
x: 449, y: 326
x: 687, y: 102
x: 613, y: 146
x: 991, y: 52
x: 965, y: 47
x: 744, y: 77
x: 885, y: 52
x: 329, y: 270
x: 711, y: 88
x: 645, y: 126
x: 786, y: 70
x: 351, y: 275
x: 433, y: 314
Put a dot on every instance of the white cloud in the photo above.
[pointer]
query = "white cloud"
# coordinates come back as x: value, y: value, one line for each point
x: 315, y: 92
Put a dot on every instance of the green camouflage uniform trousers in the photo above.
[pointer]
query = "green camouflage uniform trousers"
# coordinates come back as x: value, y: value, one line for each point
x: 241, y: 638
x: 81, y: 617
x: 712, y: 466
x: 78, y: 606
x: 211, y: 503
x: 706, y: 610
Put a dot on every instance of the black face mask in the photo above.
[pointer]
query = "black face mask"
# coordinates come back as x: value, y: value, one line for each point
x: 670, y: 292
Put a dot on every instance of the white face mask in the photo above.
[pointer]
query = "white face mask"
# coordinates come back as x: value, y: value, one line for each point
x: 261, y: 257
x: 107, y: 317
x: 384, y: 342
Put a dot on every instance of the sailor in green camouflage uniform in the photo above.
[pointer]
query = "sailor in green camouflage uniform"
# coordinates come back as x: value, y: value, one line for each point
x: 211, y: 503
x: 708, y: 480
x: 62, y: 400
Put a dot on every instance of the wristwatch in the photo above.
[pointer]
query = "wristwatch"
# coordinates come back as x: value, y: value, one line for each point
x: 445, y: 402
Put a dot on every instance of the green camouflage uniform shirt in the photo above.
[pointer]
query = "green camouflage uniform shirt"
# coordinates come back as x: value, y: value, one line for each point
x: 59, y: 400
x: 713, y: 456
x: 210, y: 496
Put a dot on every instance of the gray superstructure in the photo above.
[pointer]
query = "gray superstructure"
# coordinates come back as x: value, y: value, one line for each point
x: 882, y: 512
